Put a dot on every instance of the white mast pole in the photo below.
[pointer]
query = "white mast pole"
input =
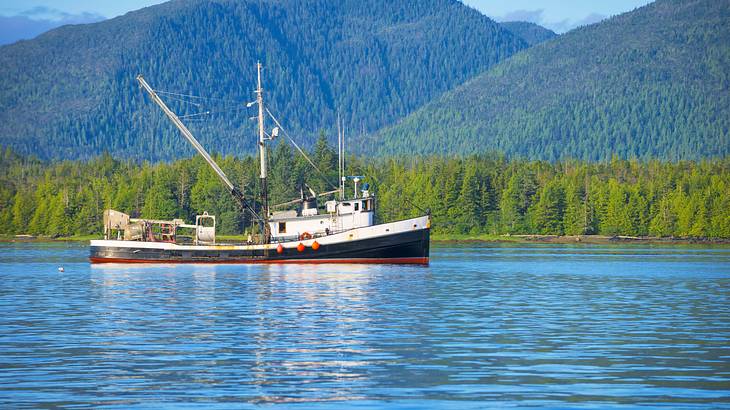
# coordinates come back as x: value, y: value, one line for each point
x: 339, y: 157
x: 262, y: 156
x: 344, y: 169
x: 262, y: 134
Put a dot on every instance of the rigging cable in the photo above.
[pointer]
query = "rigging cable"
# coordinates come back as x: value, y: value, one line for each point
x: 212, y: 112
x: 322, y: 174
x: 178, y: 97
x: 197, y: 96
x: 184, y: 101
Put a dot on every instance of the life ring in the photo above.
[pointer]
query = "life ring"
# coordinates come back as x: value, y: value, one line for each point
x: 305, y: 236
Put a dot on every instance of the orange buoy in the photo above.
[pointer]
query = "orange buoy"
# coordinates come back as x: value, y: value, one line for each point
x: 315, y: 245
x: 279, y: 249
x: 300, y: 247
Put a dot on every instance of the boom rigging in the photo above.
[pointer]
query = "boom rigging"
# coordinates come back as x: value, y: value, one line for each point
x: 263, y: 137
x: 235, y: 192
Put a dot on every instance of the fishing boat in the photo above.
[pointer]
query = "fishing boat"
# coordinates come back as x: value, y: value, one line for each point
x: 344, y: 230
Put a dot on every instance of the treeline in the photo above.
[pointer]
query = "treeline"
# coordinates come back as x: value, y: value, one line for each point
x: 477, y: 194
x: 488, y: 194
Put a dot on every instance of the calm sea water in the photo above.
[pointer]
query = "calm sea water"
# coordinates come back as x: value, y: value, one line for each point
x: 504, y: 326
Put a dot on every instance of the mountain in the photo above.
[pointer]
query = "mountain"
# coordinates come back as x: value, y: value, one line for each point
x: 530, y: 32
x: 71, y: 92
x: 651, y: 83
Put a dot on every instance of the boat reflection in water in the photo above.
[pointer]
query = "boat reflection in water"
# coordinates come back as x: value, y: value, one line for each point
x: 272, y: 326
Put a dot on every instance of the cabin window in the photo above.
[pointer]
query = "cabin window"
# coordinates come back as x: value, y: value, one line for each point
x: 345, y: 204
x: 357, y: 206
x: 282, y: 227
x: 364, y: 205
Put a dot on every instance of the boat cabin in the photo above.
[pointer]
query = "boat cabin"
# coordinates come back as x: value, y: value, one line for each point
x: 309, y: 221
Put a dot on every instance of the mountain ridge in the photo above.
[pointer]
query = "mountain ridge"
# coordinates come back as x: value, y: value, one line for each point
x: 71, y: 93
x: 532, y: 33
x: 649, y: 83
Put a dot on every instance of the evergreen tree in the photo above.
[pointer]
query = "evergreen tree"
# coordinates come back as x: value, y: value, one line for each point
x: 23, y: 210
x: 637, y: 210
x: 616, y: 220
x: 160, y: 200
x: 664, y: 222
x: 576, y: 216
x: 469, y: 202
x: 516, y: 200
x: 549, y: 209
x: 58, y: 220
x: 477, y: 194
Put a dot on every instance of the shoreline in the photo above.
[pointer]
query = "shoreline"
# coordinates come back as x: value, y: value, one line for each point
x: 576, y: 240
x: 441, y: 239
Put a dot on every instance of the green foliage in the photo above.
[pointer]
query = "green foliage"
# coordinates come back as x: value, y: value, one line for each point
x: 477, y: 195
x: 71, y: 93
x: 530, y: 32
x: 652, y: 83
x: 684, y: 199
x: 578, y: 217
x: 549, y: 209
x: 516, y: 200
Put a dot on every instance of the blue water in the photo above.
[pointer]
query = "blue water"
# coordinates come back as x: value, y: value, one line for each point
x: 499, y: 326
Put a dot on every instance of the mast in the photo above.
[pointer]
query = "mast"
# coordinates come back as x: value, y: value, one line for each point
x: 339, y: 159
x: 262, y: 157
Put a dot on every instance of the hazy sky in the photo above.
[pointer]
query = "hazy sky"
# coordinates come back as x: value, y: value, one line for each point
x: 22, y: 19
x: 557, y: 15
x: 106, y: 8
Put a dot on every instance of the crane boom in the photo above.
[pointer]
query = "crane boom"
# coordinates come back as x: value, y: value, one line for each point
x: 185, y: 132
x: 237, y: 194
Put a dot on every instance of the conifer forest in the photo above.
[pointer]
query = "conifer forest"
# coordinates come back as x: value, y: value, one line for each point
x: 480, y: 194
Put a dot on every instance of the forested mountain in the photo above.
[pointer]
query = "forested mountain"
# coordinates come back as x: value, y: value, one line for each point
x: 530, y: 32
x: 653, y: 82
x: 71, y: 92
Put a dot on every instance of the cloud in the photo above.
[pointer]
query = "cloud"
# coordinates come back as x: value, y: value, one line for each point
x: 559, y: 26
x: 591, y: 19
x: 50, y: 14
x: 537, y: 16
x: 533, y: 16
x: 30, y: 23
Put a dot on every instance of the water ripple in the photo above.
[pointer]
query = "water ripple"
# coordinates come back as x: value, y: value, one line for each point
x: 503, y: 326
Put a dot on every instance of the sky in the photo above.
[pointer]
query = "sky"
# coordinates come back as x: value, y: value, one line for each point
x: 24, y: 19
x: 557, y: 15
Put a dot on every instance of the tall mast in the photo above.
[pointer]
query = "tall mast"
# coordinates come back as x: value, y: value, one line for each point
x: 262, y: 157
x: 339, y: 158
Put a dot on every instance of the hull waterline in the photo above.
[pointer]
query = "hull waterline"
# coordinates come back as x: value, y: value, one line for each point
x: 410, y: 247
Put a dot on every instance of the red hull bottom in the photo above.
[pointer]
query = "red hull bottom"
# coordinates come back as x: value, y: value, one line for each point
x: 398, y: 261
